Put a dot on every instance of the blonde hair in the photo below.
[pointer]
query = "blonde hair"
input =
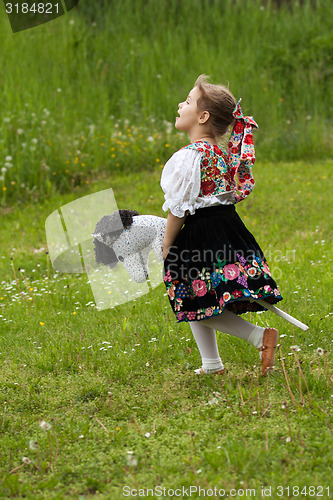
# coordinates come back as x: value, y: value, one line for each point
x: 219, y: 102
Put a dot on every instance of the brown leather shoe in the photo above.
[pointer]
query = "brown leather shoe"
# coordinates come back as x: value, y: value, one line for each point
x: 269, y: 343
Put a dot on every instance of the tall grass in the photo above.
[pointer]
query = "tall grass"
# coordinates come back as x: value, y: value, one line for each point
x: 67, y: 86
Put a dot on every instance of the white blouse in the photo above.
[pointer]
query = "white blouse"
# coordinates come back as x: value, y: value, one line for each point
x: 181, y: 180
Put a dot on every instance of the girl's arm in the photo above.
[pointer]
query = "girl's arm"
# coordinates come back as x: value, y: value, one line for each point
x: 172, y: 229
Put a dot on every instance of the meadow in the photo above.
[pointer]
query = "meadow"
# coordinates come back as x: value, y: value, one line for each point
x: 71, y: 88
x: 103, y: 404
x: 117, y: 385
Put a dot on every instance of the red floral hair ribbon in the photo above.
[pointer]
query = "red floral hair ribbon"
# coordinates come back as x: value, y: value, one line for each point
x: 241, y: 154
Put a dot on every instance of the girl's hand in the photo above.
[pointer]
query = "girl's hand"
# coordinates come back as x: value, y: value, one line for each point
x: 172, y: 229
x: 165, y: 252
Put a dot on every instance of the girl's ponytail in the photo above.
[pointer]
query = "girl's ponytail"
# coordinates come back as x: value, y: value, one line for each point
x: 241, y: 154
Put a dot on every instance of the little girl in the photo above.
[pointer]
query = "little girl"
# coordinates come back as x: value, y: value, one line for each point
x: 214, y: 269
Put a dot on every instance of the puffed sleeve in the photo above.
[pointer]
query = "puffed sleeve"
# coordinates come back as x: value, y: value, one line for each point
x: 180, y: 182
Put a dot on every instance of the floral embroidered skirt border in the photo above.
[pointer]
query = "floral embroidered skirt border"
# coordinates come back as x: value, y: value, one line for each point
x: 214, y: 263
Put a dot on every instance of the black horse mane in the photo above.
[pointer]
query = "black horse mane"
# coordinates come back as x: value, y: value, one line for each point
x: 109, y: 226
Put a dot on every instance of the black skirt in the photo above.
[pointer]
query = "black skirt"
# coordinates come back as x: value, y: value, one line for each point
x: 214, y: 263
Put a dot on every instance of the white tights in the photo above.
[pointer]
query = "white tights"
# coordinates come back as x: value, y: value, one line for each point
x: 228, y: 322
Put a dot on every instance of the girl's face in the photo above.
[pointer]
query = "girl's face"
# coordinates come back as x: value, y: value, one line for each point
x: 188, y: 111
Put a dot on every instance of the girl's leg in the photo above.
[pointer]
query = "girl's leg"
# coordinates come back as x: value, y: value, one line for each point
x: 205, y: 338
x: 232, y: 324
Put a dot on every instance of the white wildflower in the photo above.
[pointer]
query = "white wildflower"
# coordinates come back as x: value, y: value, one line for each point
x: 33, y: 445
x: 26, y: 460
x: 46, y: 426
x: 131, y: 460
x: 320, y: 351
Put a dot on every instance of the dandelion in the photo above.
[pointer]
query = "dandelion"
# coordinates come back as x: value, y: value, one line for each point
x: 131, y: 460
x: 3, y: 170
x: 33, y: 445
x: 8, y: 158
x: 34, y: 140
x: 19, y: 131
x: 46, y: 426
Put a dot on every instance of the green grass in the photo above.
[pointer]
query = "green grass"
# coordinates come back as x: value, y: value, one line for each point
x: 68, y: 86
x: 227, y: 432
x: 88, y: 103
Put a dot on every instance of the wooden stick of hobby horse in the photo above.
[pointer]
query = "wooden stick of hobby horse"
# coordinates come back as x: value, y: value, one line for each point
x: 283, y: 315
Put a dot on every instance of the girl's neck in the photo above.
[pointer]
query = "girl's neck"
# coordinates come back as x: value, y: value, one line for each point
x: 207, y: 138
